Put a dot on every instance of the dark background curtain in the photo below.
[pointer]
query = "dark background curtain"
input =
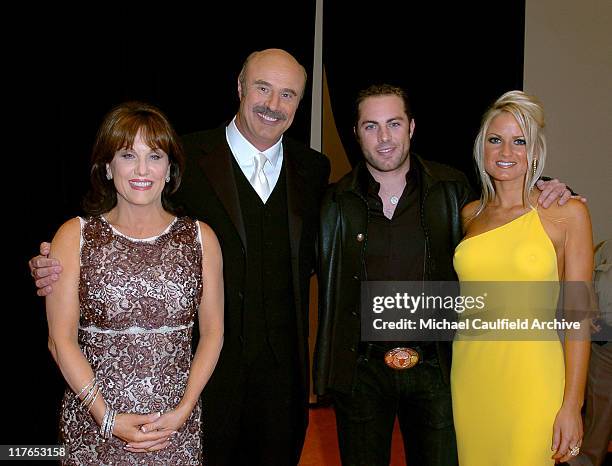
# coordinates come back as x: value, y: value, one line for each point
x: 453, y: 58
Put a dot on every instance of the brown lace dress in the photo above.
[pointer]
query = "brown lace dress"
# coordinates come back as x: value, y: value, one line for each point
x: 138, y: 303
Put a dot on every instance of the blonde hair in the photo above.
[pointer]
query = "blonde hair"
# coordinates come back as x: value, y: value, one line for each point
x: 529, y: 114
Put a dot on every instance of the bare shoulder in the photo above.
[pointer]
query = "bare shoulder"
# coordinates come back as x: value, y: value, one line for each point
x: 572, y: 213
x: 469, y: 209
x: 210, y: 243
x: 66, y: 247
x: 208, y: 233
x: 68, y: 235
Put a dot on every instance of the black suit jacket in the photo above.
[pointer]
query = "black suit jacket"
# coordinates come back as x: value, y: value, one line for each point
x: 208, y: 192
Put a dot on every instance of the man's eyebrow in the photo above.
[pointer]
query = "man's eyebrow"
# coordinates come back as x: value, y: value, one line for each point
x: 261, y: 81
x: 289, y: 90
x: 387, y: 121
x: 266, y: 83
x: 399, y: 117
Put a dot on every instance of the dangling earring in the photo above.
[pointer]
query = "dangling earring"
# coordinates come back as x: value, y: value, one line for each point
x: 109, y: 173
x: 168, y: 178
x: 534, y: 166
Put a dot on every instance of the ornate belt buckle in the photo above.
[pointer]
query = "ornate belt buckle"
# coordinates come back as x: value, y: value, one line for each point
x: 401, y: 358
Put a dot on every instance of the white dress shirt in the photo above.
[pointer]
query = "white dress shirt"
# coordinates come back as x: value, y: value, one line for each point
x: 244, y: 152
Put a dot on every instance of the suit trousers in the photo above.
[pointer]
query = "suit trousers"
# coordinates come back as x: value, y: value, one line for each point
x: 264, y: 423
x: 417, y: 396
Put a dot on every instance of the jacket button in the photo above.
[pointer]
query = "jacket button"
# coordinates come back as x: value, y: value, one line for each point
x: 352, y: 348
x: 354, y: 313
x: 355, y: 277
x: 360, y: 237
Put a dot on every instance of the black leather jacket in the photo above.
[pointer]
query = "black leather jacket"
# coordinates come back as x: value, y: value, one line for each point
x: 342, y: 244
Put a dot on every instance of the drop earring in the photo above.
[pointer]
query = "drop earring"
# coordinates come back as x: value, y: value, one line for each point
x: 534, y: 167
x: 109, y: 174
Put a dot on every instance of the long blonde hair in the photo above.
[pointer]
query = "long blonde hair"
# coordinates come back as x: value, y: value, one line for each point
x: 529, y: 114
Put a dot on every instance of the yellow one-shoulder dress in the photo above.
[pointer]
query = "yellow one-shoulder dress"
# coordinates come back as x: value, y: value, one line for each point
x: 506, y: 394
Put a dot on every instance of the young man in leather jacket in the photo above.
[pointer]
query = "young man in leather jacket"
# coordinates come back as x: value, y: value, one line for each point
x: 394, y: 217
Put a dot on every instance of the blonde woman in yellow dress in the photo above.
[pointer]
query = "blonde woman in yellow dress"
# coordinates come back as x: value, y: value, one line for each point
x: 517, y: 403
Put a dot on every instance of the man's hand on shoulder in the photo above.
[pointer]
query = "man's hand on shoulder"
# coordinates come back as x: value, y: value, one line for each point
x: 45, y: 271
x: 554, y: 189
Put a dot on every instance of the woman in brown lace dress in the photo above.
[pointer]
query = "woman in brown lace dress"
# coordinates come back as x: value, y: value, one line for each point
x: 135, y: 278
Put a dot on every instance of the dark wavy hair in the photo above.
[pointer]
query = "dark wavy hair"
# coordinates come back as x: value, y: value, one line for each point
x: 378, y: 90
x: 118, y: 131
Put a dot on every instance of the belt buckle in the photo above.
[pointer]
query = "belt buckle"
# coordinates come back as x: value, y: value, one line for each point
x: 401, y: 358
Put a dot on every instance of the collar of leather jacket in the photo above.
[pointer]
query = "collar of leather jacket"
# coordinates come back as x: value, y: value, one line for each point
x: 428, y: 174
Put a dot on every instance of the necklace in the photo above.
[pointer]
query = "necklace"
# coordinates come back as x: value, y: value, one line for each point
x: 393, y: 198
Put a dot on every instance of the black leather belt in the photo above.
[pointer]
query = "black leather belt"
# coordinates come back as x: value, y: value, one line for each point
x: 400, y: 357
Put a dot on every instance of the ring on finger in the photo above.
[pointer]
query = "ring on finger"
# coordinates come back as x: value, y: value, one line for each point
x: 574, y: 450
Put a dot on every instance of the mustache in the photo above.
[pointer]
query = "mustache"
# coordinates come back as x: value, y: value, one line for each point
x: 267, y: 111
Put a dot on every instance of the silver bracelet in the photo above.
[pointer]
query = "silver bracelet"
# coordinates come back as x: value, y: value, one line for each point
x: 85, y: 402
x: 111, y: 424
x: 86, y: 386
x: 104, y: 420
x: 93, y: 400
x: 108, y: 423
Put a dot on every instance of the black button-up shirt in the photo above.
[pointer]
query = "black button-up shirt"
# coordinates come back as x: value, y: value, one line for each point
x: 396, y: 246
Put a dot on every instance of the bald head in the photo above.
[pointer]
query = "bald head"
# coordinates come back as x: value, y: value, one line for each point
x: 272, y: 59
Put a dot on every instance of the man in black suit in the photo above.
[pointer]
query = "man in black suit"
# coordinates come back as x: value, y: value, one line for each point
x: 260, y: 191
x: 255, y: 407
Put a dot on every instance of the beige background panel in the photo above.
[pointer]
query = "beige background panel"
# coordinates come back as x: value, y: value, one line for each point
x: 568, y: 65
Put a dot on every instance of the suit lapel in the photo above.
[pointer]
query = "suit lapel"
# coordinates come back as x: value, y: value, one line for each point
x: 217, y: 165
x: 295, y: 203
